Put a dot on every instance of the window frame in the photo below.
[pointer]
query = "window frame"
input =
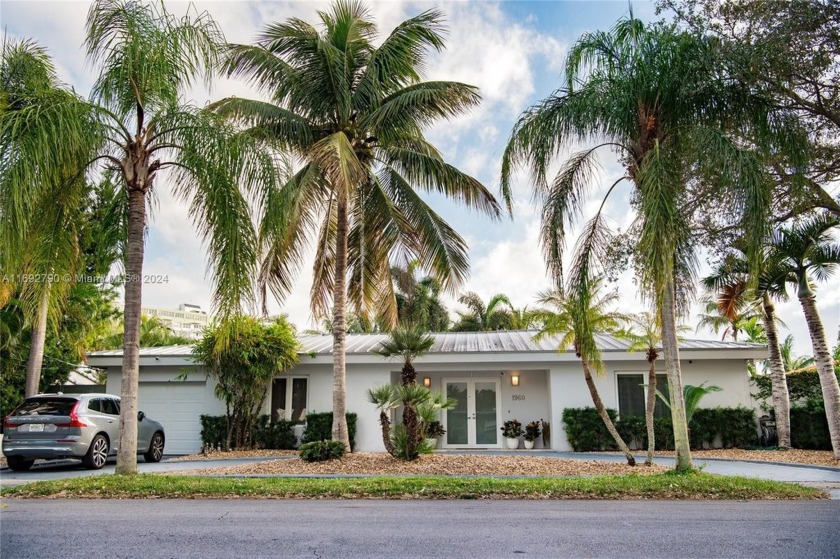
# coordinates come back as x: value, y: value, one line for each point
x: 287, y: 405
x: 660, y: 376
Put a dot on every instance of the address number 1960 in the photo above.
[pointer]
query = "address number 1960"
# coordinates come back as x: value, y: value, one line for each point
x: 518, y: 397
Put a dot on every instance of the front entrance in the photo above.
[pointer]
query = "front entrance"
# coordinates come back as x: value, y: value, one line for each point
x: 474, y: 422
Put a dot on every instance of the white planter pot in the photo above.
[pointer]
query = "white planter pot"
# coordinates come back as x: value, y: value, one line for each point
x: 512, y: 443
x: 529, y: 445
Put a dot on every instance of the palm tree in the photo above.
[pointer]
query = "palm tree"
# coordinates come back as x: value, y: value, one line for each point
x: 46, y: 249
x: 353, y: 114
x: 576, y: 315
x: 736, y: 289
x: 793, y: 362
x: 497, y: 314
x: 407, y: 343
x: 644, y: 334
x: 418, y: 301
x: 730, y: 312
x: 654, y: 96
x: 800, y: 254
x: 137, y: 127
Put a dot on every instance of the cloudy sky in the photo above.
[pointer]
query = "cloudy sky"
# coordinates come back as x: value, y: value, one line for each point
x: 513, y: 51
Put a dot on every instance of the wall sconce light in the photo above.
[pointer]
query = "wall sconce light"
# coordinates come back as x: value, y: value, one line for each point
x: 427, y: 382
x: 514, y: 379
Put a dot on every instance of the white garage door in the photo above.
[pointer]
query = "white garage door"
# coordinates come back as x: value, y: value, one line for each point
x: 177, y: 406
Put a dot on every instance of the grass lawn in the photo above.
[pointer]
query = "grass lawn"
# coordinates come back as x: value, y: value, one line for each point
x: 655, y: 486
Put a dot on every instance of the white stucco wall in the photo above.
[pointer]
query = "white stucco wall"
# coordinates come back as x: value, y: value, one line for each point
x: 549, y: 383
x: 568, y: 387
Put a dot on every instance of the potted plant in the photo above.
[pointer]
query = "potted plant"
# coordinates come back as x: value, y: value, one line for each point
x: 511, y: 431
x: 532, y: 431
x: 434, y: 431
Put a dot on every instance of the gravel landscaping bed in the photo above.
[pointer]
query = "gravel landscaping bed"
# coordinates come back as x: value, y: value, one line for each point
x: 810, y: 457
x: 434, y: 464
x: 234, y: 454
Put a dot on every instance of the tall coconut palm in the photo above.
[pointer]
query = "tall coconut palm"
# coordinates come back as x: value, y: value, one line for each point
x: 137, y: 126
x: 497, y: 314
x: 353, y: 114
x: 800, y: 254
x: 644, y: 334
x: 407, y: 343
x: 656, y: 98
x: 732, y: 281
x: 575, y: 316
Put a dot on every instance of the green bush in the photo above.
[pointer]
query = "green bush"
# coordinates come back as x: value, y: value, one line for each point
x: 736, y: 427
x: 278, y: 435
x: 633, y: 430
x: 319, y: 427
x: 319, y: 451
x: 213, y: 430
x: 586, y: 431
x: 803, y: 388
x: 809, y: 428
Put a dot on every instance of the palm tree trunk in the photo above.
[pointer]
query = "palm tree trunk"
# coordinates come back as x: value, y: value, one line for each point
x: 409, y: 376
x: 127, y: 451
x: 650, y: 406
x: 671, y: 348
x: 339, y: 426
x: 602, y: 411
x: 36, y: 347
x: 781, y: 399
x: 825, y: 367
x: 386, y: 432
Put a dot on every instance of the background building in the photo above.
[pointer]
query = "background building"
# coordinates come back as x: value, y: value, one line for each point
x: 188, y: 320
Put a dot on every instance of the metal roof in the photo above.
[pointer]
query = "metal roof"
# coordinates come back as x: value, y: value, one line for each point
x: 503, y: 341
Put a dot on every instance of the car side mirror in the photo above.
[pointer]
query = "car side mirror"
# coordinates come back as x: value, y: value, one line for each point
x: 140, y: 416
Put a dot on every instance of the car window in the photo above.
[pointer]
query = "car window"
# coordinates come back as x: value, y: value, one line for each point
x: 95, y: 405
x: 46, y: 406
x: 110, y: 407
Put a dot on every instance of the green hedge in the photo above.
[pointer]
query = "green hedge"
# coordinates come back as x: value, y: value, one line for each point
x: 809, y: 428
x: 319, y: 427
x: 319, y: 451
x: 585, y: 430
x: 278, y: 435
x: 804, y: 389
x: 736, y: 427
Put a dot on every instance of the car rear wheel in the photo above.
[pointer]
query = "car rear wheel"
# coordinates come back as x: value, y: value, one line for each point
x: 97, y: 454
x: 155, y: 452
x: 18, y: 463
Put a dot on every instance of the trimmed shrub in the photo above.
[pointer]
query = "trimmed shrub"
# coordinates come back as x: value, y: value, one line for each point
x: 319, y: 427
x: 213, y: 430
x: 809, y: 428
x: 319, y: 451
x: 633, y: 430
x: 278, y: 435
x: 735, y: 427
x: 803, y: 387
x: 585, y: 430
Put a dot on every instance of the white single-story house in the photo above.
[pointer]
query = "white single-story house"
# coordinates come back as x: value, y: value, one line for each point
x: 495, y: 376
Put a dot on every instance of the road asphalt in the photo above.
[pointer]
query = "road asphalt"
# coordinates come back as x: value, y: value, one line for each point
x: 209, y: 529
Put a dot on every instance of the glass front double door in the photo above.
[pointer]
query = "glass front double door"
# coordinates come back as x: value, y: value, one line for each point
x: 474, y: 421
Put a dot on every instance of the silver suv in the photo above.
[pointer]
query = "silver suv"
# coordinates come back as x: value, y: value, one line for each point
x: 86, y: 426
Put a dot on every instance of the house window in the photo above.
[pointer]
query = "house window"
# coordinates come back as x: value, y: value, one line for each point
x: 632, y: 395
x: 289, y: 404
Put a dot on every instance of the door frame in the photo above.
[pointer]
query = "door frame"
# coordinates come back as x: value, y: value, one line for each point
x: 471, y: 419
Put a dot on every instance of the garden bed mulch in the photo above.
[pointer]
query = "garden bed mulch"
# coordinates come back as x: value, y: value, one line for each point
x: 434, y: 464
x: 794, y: 456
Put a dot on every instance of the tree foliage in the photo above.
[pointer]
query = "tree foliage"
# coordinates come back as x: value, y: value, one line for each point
x: 243, y: 355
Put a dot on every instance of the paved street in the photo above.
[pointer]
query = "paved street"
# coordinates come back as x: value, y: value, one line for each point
x: 439, y: 529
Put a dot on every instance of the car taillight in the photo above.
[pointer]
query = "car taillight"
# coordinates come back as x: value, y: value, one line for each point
x: 75, y: 421
x: 6, y: 422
